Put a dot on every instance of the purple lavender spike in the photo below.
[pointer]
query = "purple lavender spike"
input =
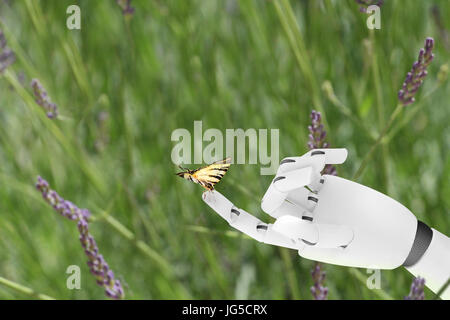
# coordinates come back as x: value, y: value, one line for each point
x: 416, y: 292
x: 318, y: 291
x: 2, y: 40
x: 7, y: 56
x: 125, y: 5
x: 316, y: 140
x: 364, y: 4
x: 42, y: 99
x: 317, y: 135
x: 414, y: 78
x: 104, y: 276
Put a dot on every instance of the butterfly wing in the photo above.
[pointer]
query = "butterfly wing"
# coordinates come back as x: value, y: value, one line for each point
x: 210, y: 175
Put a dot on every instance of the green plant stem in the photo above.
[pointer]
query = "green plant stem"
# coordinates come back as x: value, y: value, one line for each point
x: 228, y: 233
x: 79, y: 70
x: 126, y: 233
x: 346, y: 111
x: 442, y: 289
x: 369, y: 154
x: 380, y: 109
x: 37, y: 23
x: 409, y: 115
x: 290, y: 273
x: 164, y: 265
x: 387, y: 134
x: 24, y: 290
x: 296, y: 42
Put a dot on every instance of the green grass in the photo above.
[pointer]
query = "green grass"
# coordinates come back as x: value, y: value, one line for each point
x: 231, y: 64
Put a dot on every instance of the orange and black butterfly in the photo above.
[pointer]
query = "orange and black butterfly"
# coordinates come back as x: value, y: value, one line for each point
x: 207, y: 176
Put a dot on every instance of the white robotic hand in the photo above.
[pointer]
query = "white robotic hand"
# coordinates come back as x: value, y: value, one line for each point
x: 334, y: 220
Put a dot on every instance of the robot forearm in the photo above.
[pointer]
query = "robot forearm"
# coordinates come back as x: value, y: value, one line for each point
x: 434, y: 265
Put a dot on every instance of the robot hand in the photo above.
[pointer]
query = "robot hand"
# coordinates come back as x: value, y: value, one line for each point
x: 333, y: 220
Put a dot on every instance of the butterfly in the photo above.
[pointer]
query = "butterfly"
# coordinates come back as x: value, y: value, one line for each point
x: 207, y: 176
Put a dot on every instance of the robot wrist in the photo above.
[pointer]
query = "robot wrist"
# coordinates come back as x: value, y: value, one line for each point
x: 422, y: 241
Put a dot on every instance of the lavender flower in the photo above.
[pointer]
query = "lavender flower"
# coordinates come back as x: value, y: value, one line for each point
x: 416, y: 292
x: 97, y: 264
x: 2, y: 40
x: 318, y: 291
x: 364, y: 4
x: 316, y: 140
x: 7, y: 56
x: 63, y: 207
x: 43, y: 99
x: 414, y: 78
x: 317, y: 135
x: 125, y: 5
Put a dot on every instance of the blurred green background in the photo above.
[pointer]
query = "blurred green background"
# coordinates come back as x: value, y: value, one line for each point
x: 123, y: 84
